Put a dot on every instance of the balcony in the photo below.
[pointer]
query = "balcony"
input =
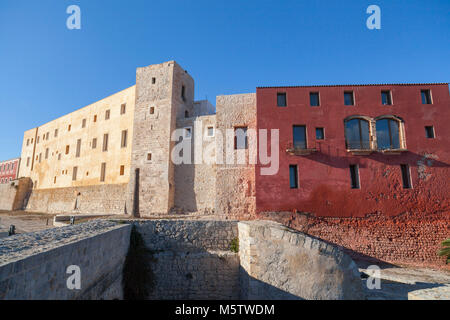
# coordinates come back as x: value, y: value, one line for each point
x: 300, y: 151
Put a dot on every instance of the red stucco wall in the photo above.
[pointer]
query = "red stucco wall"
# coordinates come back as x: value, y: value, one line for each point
x: 11, y: 173
x: 324, y: 178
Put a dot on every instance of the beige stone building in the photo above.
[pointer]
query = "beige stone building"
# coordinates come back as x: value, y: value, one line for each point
x: 115, y: 155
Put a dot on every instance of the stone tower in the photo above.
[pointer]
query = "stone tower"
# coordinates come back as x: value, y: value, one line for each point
x: 163, y: 93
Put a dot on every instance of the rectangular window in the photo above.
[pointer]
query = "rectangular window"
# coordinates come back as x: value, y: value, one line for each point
x: 183, y: 92
x: 354, y: 176
x: 94, y: 143
x: 28, y: 161
x: 78, y: 148
x: 152, y: 110
x: 40, y: 157
x: 426, y: 96
x: 56, y: 133
x: 122, y: 170
x: 37, y: 139
x: 47, y: 135
x: 429, y: 130
x: 314, y: 99
x: 74, y: 173
x: 299, y: 137
x: 349, y: 99
x: 210, y: 132
x: 95, y: 118
x: 320, y: 135
x: 123, y: 108
x: 103, y: 172
x: 67, y: 149
x: 240, y: 138
x: 149, y: 156
x: 293, y: 177
x: 123, y: 143
x: 153, y: 80
x: 105, y: 142
x: 28, y: 142
x: 69, y: 127
x: 281, y: 99
x: 46, y: 153
x: 406, y: 176
x: 83, y: 123
x: 386, y: 98
x: 107, y: 114
x: 59, y: 156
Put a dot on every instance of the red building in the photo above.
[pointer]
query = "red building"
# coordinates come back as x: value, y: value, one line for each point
x: 349, y: 151
x: 9, y: 170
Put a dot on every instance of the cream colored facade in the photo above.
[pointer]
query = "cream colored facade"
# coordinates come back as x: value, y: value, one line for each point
x: 49, y: 152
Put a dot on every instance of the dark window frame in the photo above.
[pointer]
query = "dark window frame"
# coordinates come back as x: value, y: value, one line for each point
x: 352, y: 93
x: 281, y: 103
x: 323, y: 133
x: 355, y: 182
x: 388, y: 94
x: 429, y: 132
x: 293, y: 183
x: 305, y: 133
x: 311, y: 94
x: 406, y: 176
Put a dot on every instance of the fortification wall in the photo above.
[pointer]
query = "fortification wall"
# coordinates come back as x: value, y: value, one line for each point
x: 33, y: 266
x: 14, y: 194
x: 280, y: 263
x: 100, y: 199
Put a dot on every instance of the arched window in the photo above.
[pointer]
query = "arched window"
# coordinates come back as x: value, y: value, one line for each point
x: 357, y: 134
x: 388, y: 134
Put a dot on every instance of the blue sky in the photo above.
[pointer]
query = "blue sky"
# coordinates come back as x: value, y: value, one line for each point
x: 229, y: 47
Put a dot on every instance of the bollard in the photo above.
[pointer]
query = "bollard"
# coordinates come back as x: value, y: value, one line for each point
x: 12, y: 230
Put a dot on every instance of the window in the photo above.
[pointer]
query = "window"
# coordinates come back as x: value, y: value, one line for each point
x: 74, y: 173
x: 107, y: 114
x: 426, y: 96
x: 386, y: 98
x: 56, y: 134
x: 187, y: 133
x: 183, y: 92
x: 429, y: 131
x: 122, y: 170
x: 123, y: 108
x: 59, y: 156
x: 123, y: 143
x: 299, y: 137
x: 95, y: 118
x: 105, y: 142
x: 210, y: 132
x: 186, y: 114
x: 314, y: 99
x: 149, y: 156
x: 69, y: 127
x: 37, y: 139
x: 357, y: 134
x: 349, y: 99
x: 47, y: 135
x: 388, y: 134
x: 54, y: 180
x: 94, y: 143
x: 293, y: 176
x: 83, y: 123
x: 46, y: 153
x: 281, y: 99
x: 103, y: 172
x: 32, y: 140
x: 152, y: 110
x: 28, y: 161
x: 240, y: 138
x: 67, y: 149
x: 320, y: 135
x: 77, y: 155
x: 153, y: 80
x: 406, y: 176
x: 354, y: 176
x: 28, y: 142
x: 40, y: 157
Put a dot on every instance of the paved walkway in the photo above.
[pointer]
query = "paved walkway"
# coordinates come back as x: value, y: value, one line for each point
x: 24, y: 222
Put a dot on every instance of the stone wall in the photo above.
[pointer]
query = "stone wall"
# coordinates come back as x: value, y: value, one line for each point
x: 100, y: 199
x: 280, y: 263
x: 190, y: 259
x: 33, y: 266
x: 235, y: 183
x: 14, y: 194
x: 408, y: 239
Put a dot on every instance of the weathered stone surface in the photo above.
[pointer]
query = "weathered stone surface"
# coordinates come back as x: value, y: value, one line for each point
x: 280, y: 263
x: 438, y: 293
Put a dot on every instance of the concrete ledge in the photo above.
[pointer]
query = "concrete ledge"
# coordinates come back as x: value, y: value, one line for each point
x: 63, y: 220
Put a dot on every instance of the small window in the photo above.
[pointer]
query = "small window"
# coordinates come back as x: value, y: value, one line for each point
x: 78, y: 153
x: 188, y: 133
x: 240, y: 138
x: 153, y: 80
x: 103, y: 172
x: 123, y: 143
x: 94, y: 143
x: 95, y: 118
x: 46, y: 153
x: 210, y: 132
x: 426, y: 96
x: 32, y: 140
x: 69, y: 127
x: 354, y: 176
x: 59, y: 156
x: 123, y: 108
x: 314, y: 99
x: 40, y: 157
x: 149, y: 156
x: 406, y: 176
x: 56, y: 134
x: 183, y: 93
x: 74, y: 173
x: 122, y: 170
x: 299, y: 137
x: 105, y: 142
x: 320, y: 135
x: 28, y: 161
x: 28, y: 142
x: 386, y: 98
x: 152, y: 110
x: 281, y: 99
x: 54, y: 180
x: 83, y: 123
x: 37, y: 139
x: 429, y: 130
x: 293, y: 176
x: 186, y: 114
x: 349, y: 99
x: 67, y: 149
x: 107, y: 114
x: 47, y: 135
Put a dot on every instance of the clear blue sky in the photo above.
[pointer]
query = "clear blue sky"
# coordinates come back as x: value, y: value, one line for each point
x: 228, y: 46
